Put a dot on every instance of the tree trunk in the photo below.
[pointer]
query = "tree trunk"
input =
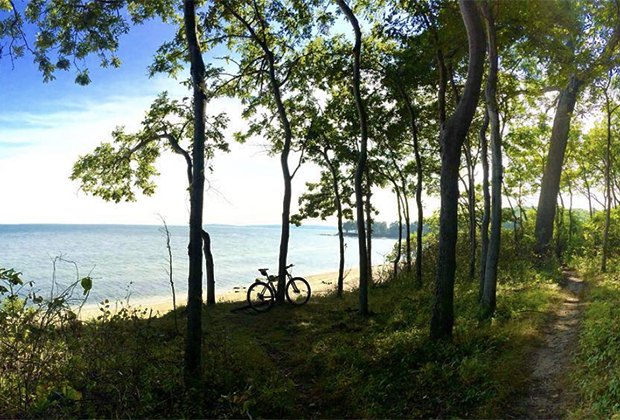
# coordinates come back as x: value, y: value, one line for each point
x: 286, y: 173
x: 419, y: 227
x: 405, y: 210
x: 490, y: 278
x: 369, y: 225
x: 418, y: 188
x: 516, y: 221
x: 559, y: 243
x: 522, y: 214
x: 588, y: 194
x: 408, y: 224
x: 339, y: 216
x: 608, y: 195
x: 193, y: 340
x: 553, y: 169
x: 361, y: 162
x: 286, y: 176
x: 570, y: 215
x: 206, y: 239
x: 486, y: 214
x: 451, y: 139
x: 206, y: 243
x: 400, y: 230
x: 471, y: 211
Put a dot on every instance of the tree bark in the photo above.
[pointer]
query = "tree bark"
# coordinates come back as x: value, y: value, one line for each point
x: 471, y: 211
x: 451, y: 139
x: 588, y: 194
x: 516, y: 221
x: 193, y: 340
x: 559, y: 242
x: 486, y: 214
x: 408, y: 227
x: 570, y: 215
x: 339, y: 217
x: 206, y: 243
x: 206, y: 238
x: 286, y: 175
x: 490, y: 278
x: 369, y: 225
x: 418, y: 188
x: 400, y: 229
x: 550, y: 186
x: 405, y: 210
x: 361, y: 162
x: 608, y: 194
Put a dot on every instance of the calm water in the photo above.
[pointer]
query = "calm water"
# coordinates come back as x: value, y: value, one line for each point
x: 125, y: 257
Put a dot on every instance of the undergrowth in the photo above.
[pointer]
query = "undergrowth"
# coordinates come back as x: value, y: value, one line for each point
x: 320, y: 360
x: 597, y: 373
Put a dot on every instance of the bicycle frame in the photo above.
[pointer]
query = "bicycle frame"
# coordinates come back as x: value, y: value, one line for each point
x: 270, y: 280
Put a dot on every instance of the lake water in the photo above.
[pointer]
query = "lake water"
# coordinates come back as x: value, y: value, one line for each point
x: 122, y: 258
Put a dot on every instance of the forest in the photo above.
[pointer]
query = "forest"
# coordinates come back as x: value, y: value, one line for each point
x: 503, y: 302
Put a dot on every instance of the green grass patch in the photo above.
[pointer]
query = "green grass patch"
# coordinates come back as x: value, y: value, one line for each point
x: 597, y: 373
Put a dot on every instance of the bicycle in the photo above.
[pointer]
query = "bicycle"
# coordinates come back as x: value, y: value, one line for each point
x: 262, y: 294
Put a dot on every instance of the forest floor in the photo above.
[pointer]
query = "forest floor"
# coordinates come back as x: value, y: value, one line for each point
x: 550, y: 392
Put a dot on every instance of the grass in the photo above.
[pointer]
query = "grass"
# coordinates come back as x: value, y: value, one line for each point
x: 597, y: 374
x: 320, y: 360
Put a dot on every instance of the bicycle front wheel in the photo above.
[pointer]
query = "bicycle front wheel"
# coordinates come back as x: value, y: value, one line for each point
x: 298, y: 291
x: 260, y: 296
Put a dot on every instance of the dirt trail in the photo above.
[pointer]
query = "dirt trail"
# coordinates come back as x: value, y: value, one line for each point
x: 549, y: 392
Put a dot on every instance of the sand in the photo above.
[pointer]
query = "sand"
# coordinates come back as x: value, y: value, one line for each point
x: 320, y: 284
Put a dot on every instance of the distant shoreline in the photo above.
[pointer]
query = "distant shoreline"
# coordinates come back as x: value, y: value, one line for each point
x: 160, y: 225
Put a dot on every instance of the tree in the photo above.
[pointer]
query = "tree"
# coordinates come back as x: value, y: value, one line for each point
x: 115, y: 171
x: 583, y: 62
x: 360, y: 169
x: 452, y: 137
x: 267, y: 39
x: 70, y: 31
x: 193, y: 339
x: 486, y: 197
x: 488, y: 298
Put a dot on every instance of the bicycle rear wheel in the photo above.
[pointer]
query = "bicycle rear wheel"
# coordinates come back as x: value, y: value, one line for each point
x: 260, y: 296
x: 298, y: 291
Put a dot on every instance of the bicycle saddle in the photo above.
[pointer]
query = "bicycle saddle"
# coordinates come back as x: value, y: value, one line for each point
x: 263, y: 271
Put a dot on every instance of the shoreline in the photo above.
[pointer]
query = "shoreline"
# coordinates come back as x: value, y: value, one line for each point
x: 320, y: 284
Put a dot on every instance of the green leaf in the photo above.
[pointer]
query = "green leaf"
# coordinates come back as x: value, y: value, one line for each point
x: 82, y: 78
x: 87, y: 284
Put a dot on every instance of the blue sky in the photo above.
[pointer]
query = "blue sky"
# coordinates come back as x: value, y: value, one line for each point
x: 44, y: 127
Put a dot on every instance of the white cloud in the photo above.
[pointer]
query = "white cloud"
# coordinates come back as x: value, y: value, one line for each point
x: 37, y: 151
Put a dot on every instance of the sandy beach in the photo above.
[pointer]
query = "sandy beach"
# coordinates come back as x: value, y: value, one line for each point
x: 320, y: 284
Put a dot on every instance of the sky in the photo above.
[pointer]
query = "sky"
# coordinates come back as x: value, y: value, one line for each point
x: 45, y: 127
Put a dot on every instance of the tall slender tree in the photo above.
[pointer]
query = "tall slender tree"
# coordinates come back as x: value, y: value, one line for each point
x: 584, y: 65
x: 452, y: 137
x: 610, y: 109
x: 361, y: 163
x: 267, y: 41
x: 488, y: 300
